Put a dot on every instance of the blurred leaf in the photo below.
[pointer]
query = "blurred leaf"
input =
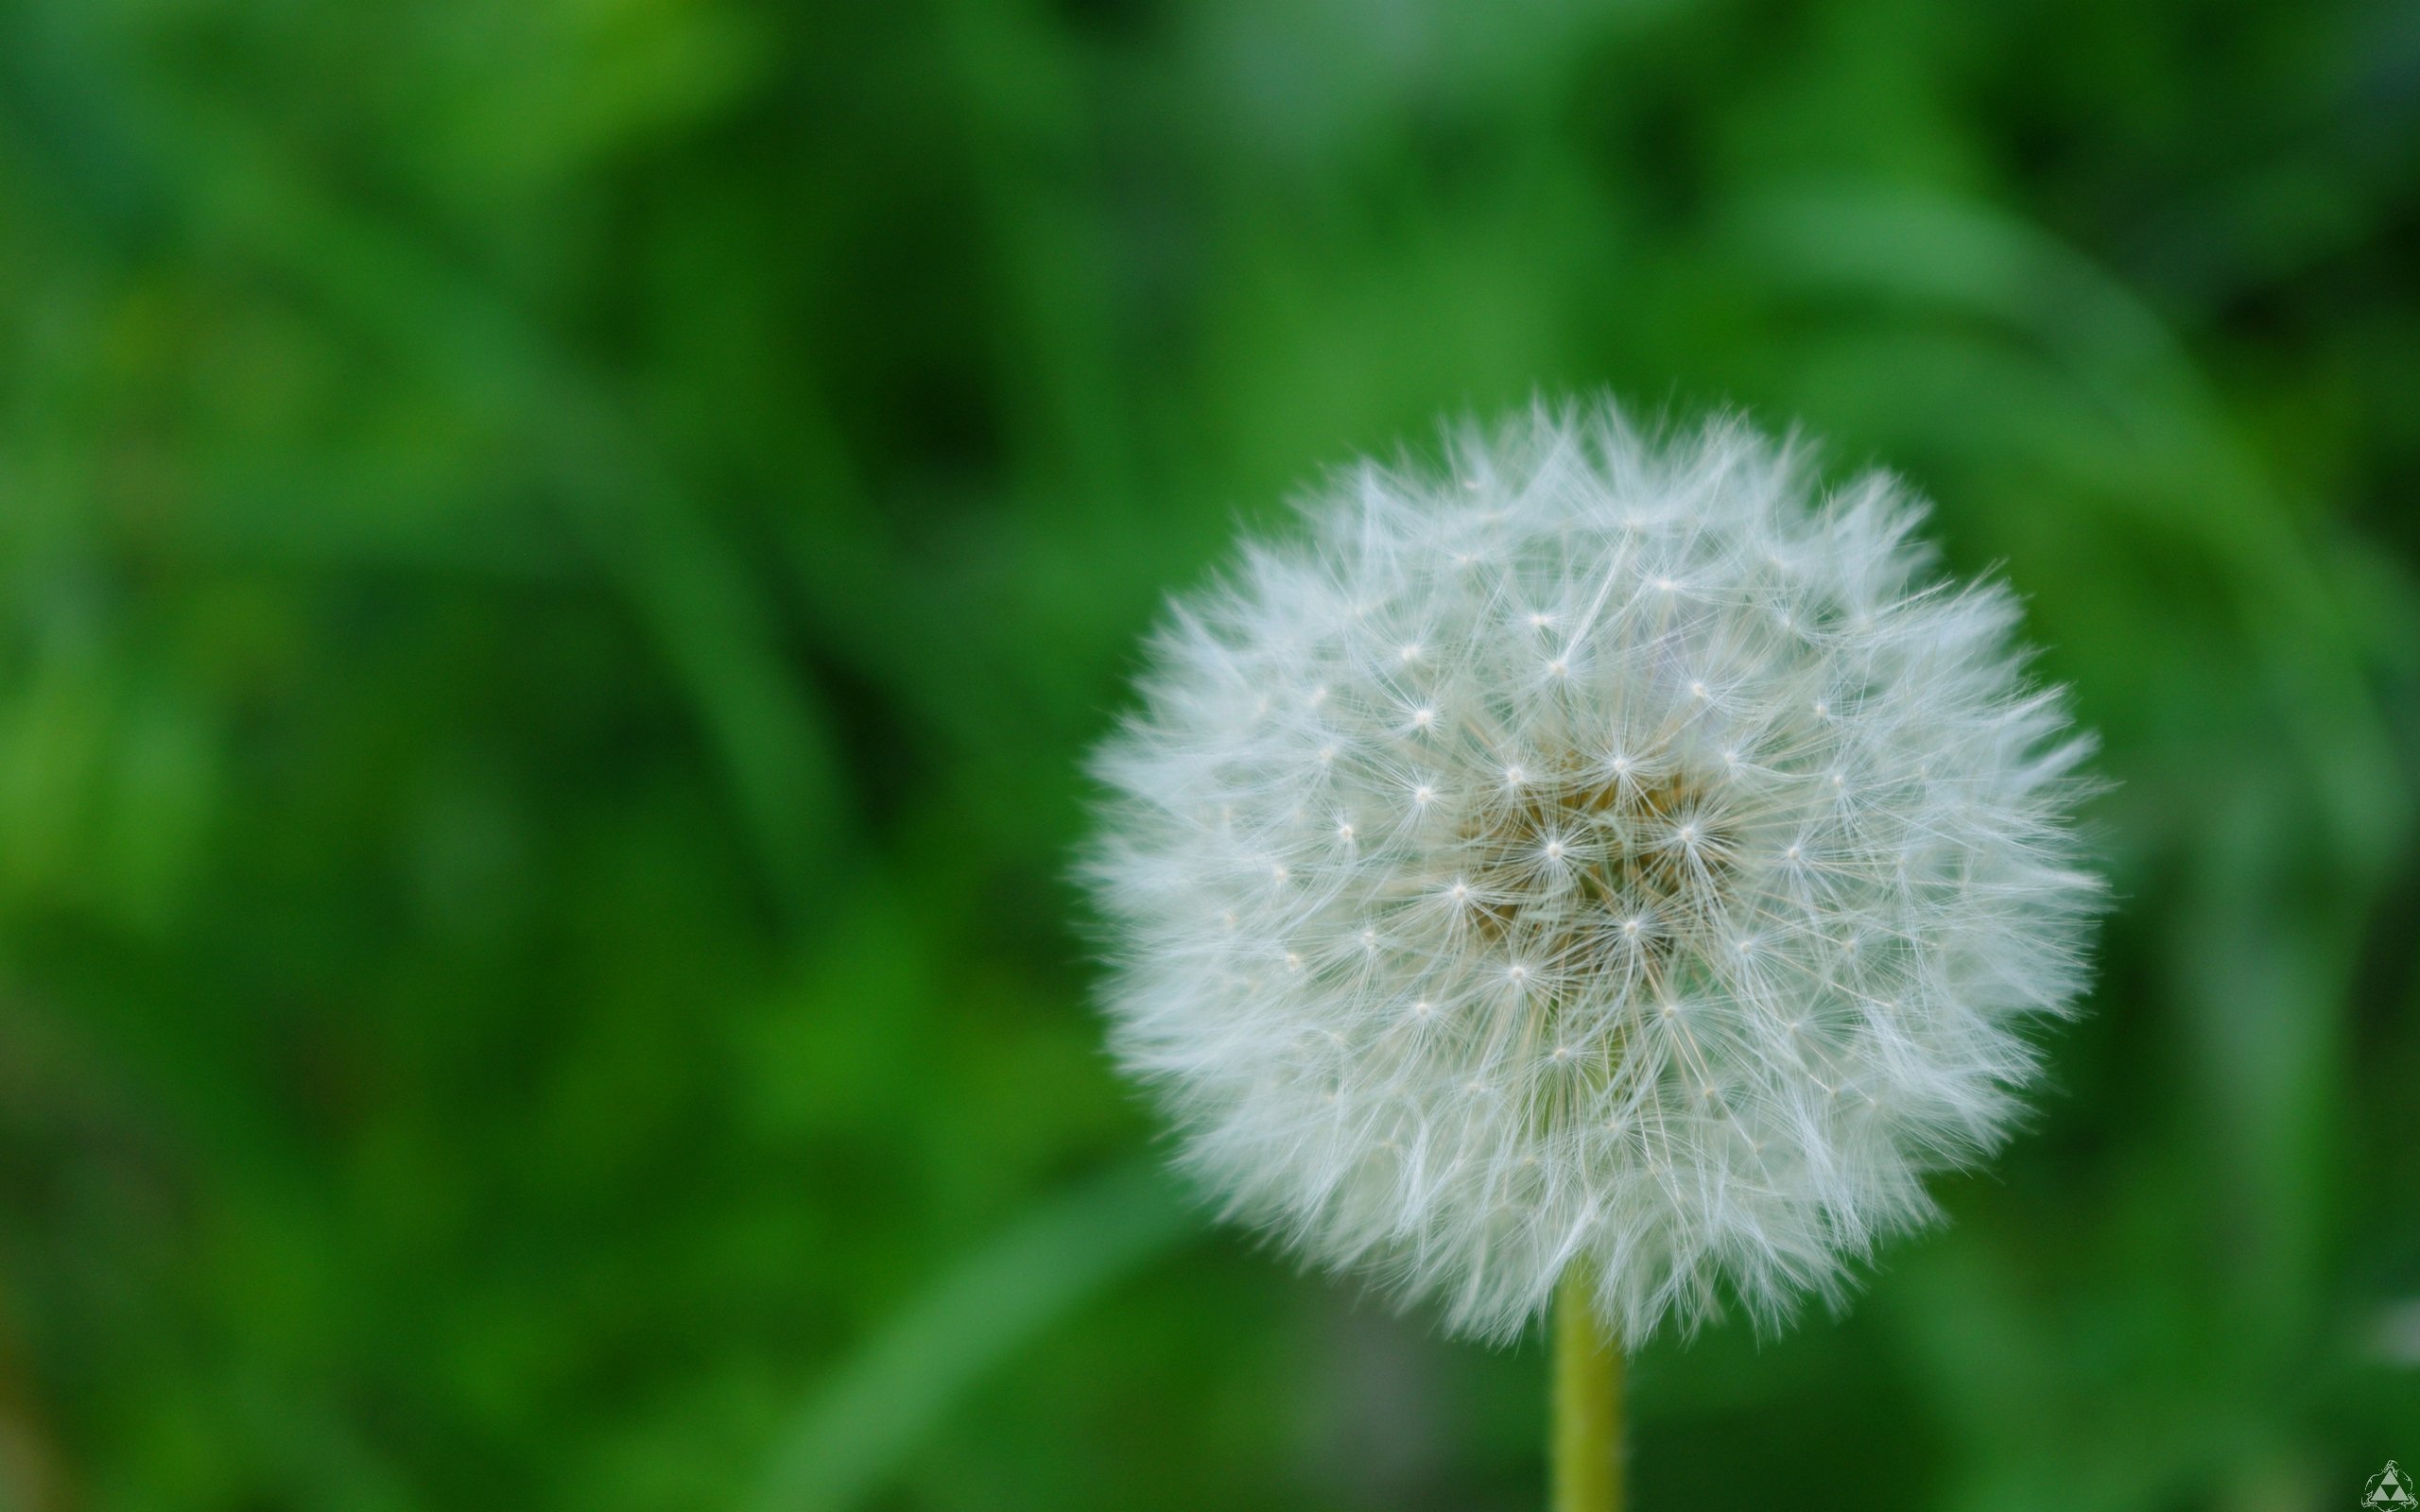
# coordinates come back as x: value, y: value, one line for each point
x: 855, y: 1433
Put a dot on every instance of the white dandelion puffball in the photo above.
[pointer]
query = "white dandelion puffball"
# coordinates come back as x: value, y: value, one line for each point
x: 1598, y: 853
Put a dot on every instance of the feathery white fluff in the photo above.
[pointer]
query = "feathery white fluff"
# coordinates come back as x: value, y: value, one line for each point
x: 1597, y: 854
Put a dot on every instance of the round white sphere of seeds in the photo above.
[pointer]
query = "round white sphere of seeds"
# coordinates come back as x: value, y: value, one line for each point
x: 1593, y: 852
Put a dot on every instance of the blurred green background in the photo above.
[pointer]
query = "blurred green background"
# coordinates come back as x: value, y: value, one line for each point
x: 558, y: 560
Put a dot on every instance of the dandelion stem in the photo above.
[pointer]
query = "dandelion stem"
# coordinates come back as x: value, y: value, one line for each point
x: 1587, y: 1470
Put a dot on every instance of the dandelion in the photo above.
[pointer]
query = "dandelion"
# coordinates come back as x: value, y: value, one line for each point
x: 1600, y: 866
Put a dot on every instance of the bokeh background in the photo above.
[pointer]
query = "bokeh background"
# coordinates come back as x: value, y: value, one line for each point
x: 558, y: 561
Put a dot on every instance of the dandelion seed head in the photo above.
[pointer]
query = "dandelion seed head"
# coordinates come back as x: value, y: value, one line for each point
x: 1682, y: 966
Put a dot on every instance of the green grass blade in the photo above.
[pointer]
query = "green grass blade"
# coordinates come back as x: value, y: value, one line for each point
x: 856, y: 1431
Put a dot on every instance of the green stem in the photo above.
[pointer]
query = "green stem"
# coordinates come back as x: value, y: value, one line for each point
x: 1587, y: 1403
